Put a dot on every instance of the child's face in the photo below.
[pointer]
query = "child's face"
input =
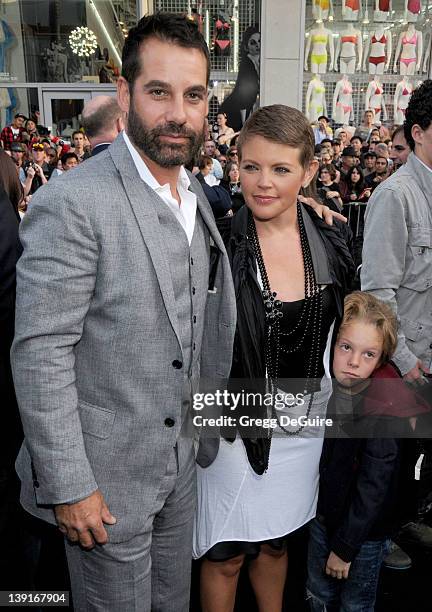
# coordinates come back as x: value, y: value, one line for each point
x: 357, y: 353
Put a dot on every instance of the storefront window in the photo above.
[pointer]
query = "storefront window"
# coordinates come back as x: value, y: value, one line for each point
x: 63, y: 42
x: 17, y: 100
x: 231, y: 30
x: 362, y: 54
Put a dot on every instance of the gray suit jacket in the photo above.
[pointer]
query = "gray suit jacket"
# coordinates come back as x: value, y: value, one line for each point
x: 96, y: 338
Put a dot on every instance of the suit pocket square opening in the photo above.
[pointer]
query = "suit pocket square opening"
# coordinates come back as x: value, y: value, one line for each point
x: 96, y: 421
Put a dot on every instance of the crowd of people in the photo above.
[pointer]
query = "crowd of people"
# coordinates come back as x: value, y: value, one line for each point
x: 40, y: 156
x: 352, y: 161
x: 157, y: 255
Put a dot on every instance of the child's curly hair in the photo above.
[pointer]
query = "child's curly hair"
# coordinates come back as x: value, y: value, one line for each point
x: 361, y: 306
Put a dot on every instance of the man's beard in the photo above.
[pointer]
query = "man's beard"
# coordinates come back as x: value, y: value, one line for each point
x: 165, y: 154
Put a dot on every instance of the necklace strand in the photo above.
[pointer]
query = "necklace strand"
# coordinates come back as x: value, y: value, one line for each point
x: 309, y: 318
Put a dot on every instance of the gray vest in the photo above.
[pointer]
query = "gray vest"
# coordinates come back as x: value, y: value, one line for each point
x: 189, y: 267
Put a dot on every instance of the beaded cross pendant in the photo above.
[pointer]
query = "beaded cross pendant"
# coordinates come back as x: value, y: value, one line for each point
x: 272, y: 305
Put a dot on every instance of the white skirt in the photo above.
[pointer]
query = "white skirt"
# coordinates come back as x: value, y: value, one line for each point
x: 236, y: 504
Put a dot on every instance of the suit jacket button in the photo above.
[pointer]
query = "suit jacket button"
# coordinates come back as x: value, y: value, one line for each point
x: 36, y: 484
x: 169, y: 422
x: 177, y: 364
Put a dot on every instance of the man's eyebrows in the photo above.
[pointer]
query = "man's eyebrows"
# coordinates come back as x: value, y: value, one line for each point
x: 156, y: 83
x: 163, y: 85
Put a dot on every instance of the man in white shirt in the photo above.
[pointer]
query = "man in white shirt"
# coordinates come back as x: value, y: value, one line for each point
x: 131, y: 299
x: 210, y: 150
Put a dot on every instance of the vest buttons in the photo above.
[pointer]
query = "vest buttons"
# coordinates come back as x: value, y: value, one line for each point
x: 177, y: 364
x: 194, y: 319
x: 36, y: 484
x: 169, y: 422
x: 193, y: 290
x: 191, y: 260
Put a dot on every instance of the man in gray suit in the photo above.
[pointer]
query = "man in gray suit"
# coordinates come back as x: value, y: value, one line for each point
x: 115, y: 323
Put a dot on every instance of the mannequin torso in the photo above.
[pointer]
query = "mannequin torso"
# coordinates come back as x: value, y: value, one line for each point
x: 401, y: 98
x: 375, y: 99
x: 319, y: 39
x: 409, y: 51
x: 342, y: 101
x: 315, y: 99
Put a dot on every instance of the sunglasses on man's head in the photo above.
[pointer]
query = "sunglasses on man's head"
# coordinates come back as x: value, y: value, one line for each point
x: 38, y: 147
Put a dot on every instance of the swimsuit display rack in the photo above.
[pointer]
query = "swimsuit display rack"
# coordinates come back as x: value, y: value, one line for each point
x: 381, y: 41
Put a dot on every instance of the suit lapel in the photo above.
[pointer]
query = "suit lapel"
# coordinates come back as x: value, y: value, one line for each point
x: 143, y: 201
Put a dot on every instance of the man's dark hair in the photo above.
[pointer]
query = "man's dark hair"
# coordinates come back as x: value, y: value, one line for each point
x: 76, y: 132
x: 326, y: 140
x: 169, y: 27
x: 97, y: 122
x: 67, y: 156
x: 357, y: 137
x: 419, y: 111
x: 204, y: 161
x: 398, y: 130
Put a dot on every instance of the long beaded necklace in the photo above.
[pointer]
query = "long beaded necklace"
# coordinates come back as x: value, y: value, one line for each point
x: 308, y: 320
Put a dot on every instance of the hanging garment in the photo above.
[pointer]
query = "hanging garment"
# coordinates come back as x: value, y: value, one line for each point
x: 384, y: 6
x: 414, y: 6
x: 10, y: 111
x: 319, y: 38
x: 354, y: 5
x: 381, y: 40
x: 9, y: 38
x: 324, y: 5
x: 348, y: 39
x: 222, y: 42
x: 409, y: 41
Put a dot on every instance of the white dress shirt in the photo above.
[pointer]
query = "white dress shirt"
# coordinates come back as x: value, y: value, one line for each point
x: 185, y: 212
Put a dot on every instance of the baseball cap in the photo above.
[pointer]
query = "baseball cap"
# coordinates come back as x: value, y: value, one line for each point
x: 17, y: 147
x: 20, y: 115
x: 348, y: 151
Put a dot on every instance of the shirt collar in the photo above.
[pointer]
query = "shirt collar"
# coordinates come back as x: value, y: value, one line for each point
x: 422, y: 163
x: 183, y: 180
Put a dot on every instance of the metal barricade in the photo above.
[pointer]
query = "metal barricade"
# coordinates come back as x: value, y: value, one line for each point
x: 355, y: 212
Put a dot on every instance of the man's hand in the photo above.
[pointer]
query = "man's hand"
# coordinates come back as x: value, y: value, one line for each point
x: 415, y: 375
x: 336, y: 567
x: 83, y: 521
x: 322, y: 211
